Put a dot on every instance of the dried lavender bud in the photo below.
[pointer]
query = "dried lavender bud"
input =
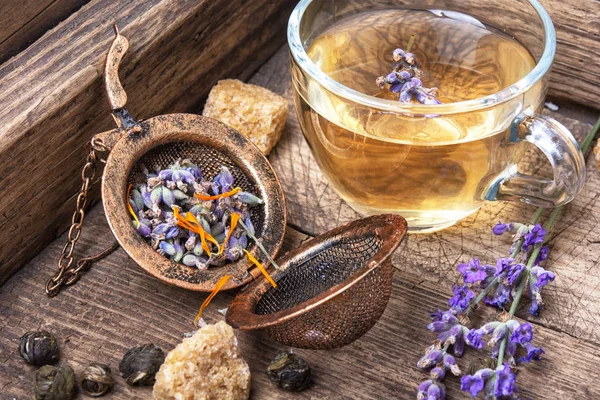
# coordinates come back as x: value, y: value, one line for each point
x: 96, y: 380
x: 289, y: 372
x: 167, y: 196
x: 136, y: 200
x: 54, y: 383
x: 189, y: 260
x: 179, y: 251
x: 140, y: 364
x: 249, y: 198
x: 198, y: 250
x: 39, y: 348
x: 217, y: 229
x: 168, y: 248
x: 177, y: 237
x: 156, y: 195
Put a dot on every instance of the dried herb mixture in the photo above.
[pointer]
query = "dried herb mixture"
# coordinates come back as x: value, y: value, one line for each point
x: 193, y: 220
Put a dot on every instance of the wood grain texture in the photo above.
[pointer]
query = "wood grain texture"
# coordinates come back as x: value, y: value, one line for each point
x: 24, y: 21
x: 116, y: 305
x: 53, y: 99
x: 576, y: 71
x: 314, y: 207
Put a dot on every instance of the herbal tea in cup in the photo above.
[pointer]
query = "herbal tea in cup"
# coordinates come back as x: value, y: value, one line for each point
x: 425, y: 113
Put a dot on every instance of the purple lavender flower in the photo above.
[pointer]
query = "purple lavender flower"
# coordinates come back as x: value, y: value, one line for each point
x: 522, y: 334
x: 533, y: 353
x: 500, y: 228
x: 404, y: 80
x: 398, y: 54
x: 539, y: 278
x: 224, y: 180
x: 462, y: 297
x: 193, y: 169
x: 498, y: 334
x: 475, y: 339
x: 431, y: 390
x: 514, y: 273
x: 443, y: 322
x: 472, y: 271
x: 498, y: 384
x: 542, y: 277
x: 161, y: 229
x: 502, y: 265
x: 430, y: 359
x: 475, y: 336
x: 177, y: 174
x: 500, y: 296
x: 143, y: 227
x: 172, y: 232
x: 505, y: 383
x: 475, y: 383
x: 450, y: 364
x: 450, y: 331
x: 542, y: 255
x: 536, y: 235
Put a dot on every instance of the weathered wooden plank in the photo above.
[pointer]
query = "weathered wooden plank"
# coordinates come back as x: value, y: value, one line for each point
x: 24, y: 21
x: 54, y: 101
x: 116, y: 306
x: 576, y: 72
x: 314, y: 207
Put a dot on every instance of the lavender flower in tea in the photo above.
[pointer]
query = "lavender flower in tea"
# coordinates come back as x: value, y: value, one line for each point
x: 404, y: 78
x: 190, y: 219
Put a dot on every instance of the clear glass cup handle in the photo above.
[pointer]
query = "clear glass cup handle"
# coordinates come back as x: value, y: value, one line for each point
x: 563, y: 152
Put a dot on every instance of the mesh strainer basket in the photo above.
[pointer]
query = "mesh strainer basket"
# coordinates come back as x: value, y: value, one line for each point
x: 330, y: 291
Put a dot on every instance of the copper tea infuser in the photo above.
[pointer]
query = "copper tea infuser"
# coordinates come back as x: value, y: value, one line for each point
x: 330, y: 291
x: 161, y: 140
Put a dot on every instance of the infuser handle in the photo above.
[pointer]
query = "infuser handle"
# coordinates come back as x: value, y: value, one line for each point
x: 564, y: 154
x: 117, y: 97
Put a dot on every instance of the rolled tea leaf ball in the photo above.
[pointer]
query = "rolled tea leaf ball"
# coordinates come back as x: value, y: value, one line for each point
x: 54, y: 383
x: 289, y: 371
x: 39, y: 348
x: 140, y: 364
x: 96, y: 380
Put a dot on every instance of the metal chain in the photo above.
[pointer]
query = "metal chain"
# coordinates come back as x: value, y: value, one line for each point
x: 67, y: 274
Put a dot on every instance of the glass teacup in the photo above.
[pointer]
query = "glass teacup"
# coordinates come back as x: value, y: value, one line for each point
x: 433, y: 164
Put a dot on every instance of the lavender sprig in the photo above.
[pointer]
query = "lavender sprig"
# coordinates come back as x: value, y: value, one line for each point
x: 498, y: 286
x: 404, y: 78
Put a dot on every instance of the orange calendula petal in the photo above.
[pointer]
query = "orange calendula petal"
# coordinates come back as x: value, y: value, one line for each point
x: 218, y: 196
x: 129, y: 205
x: 218, y: 287
x: 235, y: 217
x: 261, y: 268
x: 203, y: 234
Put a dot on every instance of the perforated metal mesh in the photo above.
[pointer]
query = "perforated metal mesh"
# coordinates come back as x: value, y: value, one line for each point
x: 208, y: 159
x: 342, y: 319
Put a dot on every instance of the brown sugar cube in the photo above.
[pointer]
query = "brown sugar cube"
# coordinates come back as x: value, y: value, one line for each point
x: 206, y: 366
x: 255, y: 112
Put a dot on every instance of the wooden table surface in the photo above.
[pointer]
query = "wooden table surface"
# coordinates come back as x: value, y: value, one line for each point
x: 116, y: 305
